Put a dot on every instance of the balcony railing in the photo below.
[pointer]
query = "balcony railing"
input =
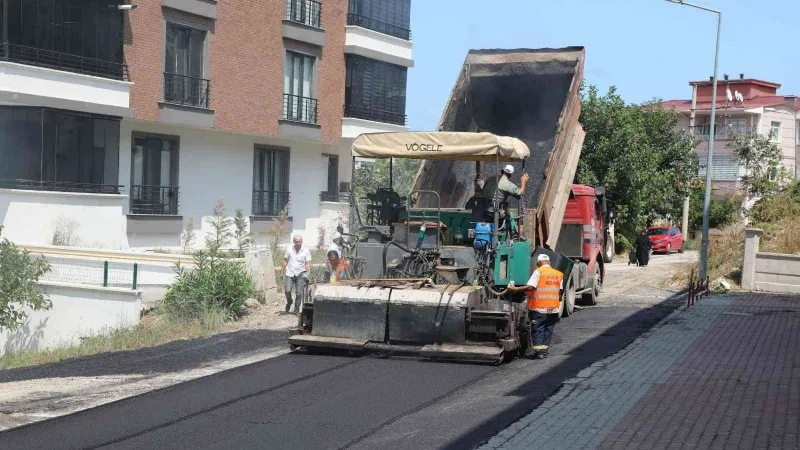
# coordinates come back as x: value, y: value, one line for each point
x: 60, y: 186
x: 307, y: 12
x: 32, y: 56
x: 703, y: 132
x: 157, y: 200
x: 337, y: 197
x: 299, y: 109
x: 376, y: 25
x: 269, y: 203
x: 361, y: 112
x: 186, y: 90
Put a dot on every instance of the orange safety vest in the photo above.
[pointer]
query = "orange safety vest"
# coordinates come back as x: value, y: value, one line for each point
x: 340, y: 270
x: 546, y: 295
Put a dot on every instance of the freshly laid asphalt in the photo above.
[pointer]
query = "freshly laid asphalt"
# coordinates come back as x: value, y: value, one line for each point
x: 330, y: 402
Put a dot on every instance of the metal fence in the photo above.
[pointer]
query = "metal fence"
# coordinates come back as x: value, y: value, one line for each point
x: 186, y: 90
x: 269, y: 203
x: 299, y: 109
x: 60, y: 186
x: 159, y: 200
x: 93, y: 272
x: 377, y: 115
x: 33, y: 56
x: 379, y: 26
x: 307, y: 12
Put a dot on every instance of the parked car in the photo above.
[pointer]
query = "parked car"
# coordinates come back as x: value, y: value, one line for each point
x: 666, y: 239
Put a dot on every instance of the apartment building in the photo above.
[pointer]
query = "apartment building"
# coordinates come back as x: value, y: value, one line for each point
x: 121, y: 120
x: 753, y: 105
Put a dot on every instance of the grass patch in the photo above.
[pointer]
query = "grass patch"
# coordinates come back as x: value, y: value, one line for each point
x: 153, y: 330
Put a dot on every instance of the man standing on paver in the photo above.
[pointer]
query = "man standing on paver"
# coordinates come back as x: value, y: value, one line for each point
x: 296, y: 267
x: 544, y: 291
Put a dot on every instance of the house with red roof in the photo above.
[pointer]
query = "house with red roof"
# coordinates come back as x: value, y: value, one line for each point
x: 751, y: 105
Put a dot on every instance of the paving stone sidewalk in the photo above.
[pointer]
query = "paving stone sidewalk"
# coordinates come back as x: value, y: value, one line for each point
x: 723, y: 374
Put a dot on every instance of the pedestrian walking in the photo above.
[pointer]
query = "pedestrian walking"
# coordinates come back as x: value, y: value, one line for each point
x: 643, y: 249
x: 544, y: 291
x: 296, y: 267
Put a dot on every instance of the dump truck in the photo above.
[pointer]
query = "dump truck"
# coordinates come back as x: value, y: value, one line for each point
x: 430, y: 270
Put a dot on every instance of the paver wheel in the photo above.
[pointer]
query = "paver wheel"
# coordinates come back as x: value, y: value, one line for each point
x: 568, y: 302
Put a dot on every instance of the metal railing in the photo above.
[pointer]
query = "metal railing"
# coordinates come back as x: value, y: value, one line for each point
x: 299, y: 109
x: 157, y: 200
x: 269, y: 203
x: 50, y: 59
x: 60, y: 186
x: 307, y: 12
x: 186, y: 90
x: 379, y: 26
x: 93, y: 272
x: 361, y: 112
x: 703, y: 132
x: 337, y: 197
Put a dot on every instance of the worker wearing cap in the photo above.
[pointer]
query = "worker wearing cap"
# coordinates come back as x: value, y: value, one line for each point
x: 544, y: 291
x: 503, y: 189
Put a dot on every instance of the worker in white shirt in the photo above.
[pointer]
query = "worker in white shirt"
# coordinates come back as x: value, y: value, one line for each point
x: 296, y: 267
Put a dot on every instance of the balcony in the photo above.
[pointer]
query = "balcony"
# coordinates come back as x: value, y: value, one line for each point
x: 299, y: 109
x: 186, y: 90
x: 269, y: 203
x: 49, y: 59
x: 334, y: 197
x: 59, y: 186
x: 376, y: 25
x: 154, y: 200
x: 375, y: 115
x: 303, y: 22
x: 703, y: 132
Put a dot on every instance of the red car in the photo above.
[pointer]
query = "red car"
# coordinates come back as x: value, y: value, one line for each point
x: 666, y: 239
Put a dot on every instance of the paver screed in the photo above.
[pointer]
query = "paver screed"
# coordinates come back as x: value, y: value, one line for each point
x: 724, y: 373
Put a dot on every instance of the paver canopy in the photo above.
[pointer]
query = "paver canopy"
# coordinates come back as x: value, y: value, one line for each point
x: 440, y: 145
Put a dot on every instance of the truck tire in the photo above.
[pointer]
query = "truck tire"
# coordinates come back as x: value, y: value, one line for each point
x: 568, y: 303
x: 683, y: 247
x: 608, y: 252
x: 590, y: 298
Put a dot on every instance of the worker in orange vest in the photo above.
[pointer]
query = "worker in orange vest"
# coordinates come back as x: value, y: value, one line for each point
x: 544, y: 291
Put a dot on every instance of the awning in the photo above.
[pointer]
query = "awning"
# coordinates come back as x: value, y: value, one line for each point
x: 440, y: 145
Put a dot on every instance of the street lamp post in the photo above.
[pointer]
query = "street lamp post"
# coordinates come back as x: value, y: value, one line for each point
x: 707, y: 203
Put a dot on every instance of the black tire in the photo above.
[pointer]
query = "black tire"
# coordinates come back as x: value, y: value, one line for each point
x: 683, y: 247
x: 590, y: 298
x: 524, y: 338
x: 568, y: 302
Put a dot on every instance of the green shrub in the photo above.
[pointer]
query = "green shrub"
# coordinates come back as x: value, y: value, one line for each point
x: 215, y: 283
x: 19, y: 274
x: 622, y: 244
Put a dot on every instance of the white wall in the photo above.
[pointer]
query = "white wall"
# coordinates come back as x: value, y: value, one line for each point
x: 32, y: 217
x: 787, y: 116
x: 22, y: 79
x: 77, y: 311
x: 380, y: 46
x: 353, y: 128
x: 214, y: 164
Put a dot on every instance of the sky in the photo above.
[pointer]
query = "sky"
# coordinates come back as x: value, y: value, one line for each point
x: 646, y: 48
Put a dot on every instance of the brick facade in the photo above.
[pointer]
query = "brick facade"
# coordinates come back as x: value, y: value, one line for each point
x: 245, y: 63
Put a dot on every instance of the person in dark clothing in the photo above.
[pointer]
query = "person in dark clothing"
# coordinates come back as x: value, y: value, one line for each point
x: 643, y: 246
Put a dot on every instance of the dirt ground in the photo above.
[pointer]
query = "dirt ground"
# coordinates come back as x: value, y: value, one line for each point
x: 37, y: 393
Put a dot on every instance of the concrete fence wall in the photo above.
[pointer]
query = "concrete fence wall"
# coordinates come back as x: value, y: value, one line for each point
x: 77, y: 311
x: 769, y: 272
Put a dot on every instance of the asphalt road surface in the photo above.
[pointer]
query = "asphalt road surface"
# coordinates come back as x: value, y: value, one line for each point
x: 331, y: 402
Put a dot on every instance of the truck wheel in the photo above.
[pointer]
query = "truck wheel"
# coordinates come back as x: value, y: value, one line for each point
x: 524, y: 337
x: 590, y: 298
x: 568, y: 302
x: 608, y: 254
x: 683, y: 247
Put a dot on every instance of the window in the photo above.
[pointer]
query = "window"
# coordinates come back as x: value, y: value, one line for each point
x: 298, y: 88
x: 331, y: 192
x: 83, y: 36
x: 375, y: 90
x: 306, y: 12
x: 736, y: 126
x: 271, y: 181
x: 184, y: 71
x: 60, y: 151
x: 154, y: 170
x: 392, y: 17
x: 775, y: 131
x: 726, y: 168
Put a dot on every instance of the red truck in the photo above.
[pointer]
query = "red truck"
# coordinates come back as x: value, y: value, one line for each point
x: 587, y: 237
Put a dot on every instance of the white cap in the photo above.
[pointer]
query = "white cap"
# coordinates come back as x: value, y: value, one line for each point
x: 509, y: 169
x: 336, y: 236
x: 542, y: 257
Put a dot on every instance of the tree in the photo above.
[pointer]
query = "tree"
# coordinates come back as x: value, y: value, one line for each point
x: 636, y: 153
x: 19, y: 275
x: 762, y: 160
x: 371, y: 176
x: 221, y: 226
x: 721, y: 212
x: 241, y: 235
x: 188, y: 236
